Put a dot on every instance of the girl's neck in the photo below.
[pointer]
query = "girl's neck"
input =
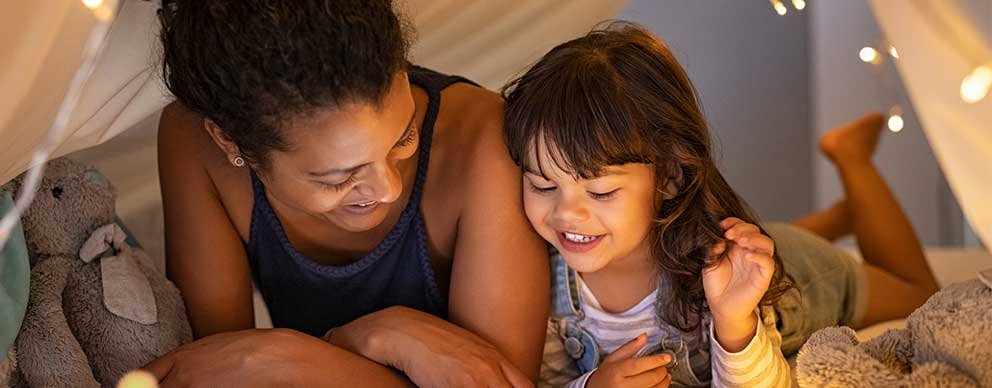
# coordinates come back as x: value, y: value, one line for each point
x: 625, y: 281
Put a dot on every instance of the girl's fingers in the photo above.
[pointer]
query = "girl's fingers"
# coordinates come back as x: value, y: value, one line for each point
x: 756, y: 242
x: 728, y: 222
x: 718, y: 249
x: 636, y: 366
x: 628, y: 349
x: 664, y: 383
x: 649, y: 378
x: 740, y: 229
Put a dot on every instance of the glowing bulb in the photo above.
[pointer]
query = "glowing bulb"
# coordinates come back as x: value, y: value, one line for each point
x: 137, y: 379
x: 895, y: 123
x: 976, y: 85
x: 779, y: 7
x: 893, y: 52
x: 92, y: 4
x: 868, y: 54
x: 799, y: 4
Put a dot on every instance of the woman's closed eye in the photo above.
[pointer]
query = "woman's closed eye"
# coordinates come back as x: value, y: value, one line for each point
x: 337, y: 186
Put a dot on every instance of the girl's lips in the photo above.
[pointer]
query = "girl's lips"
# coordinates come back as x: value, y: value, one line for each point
x: 578, y: 247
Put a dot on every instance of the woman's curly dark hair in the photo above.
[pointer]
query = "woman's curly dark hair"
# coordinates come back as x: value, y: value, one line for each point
x: 616, y: 96
x: 255, y: 66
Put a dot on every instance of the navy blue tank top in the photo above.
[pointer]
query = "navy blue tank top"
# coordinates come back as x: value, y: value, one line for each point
x: 304, y: 295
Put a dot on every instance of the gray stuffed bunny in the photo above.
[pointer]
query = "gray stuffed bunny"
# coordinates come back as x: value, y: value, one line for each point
x: 946, y: 343
x: 97, y: 306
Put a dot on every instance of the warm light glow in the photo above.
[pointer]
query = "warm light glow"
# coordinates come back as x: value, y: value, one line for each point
x: 868, y: 54
x: 976, y: 85
x: 895, y: 123
x: 893, y: 52
x: 799, y: 4
x: 103, y: 14
x: 779, y: 7
x: 138, y: 379
x: 92, y: 4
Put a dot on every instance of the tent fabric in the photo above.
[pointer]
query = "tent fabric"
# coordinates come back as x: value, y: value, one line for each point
x: 123, y: 90
x: 939, y: 44
x: 486, y: 41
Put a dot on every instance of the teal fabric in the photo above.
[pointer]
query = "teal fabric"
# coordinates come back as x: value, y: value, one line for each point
x: 14, y: 277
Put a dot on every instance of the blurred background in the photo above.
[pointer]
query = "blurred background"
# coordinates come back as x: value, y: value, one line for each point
x: 772, y: 75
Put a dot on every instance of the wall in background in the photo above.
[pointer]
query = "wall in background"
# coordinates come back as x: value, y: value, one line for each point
x: 844, y: 87
x: 751, y: 69
x: 771, y: 85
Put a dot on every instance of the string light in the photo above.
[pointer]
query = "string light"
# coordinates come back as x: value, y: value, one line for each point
x: 976, y: 85
x: 779, y: 7
x: 895, y: 121
x: 92, y: 4
x: 868, y: 54
x: 799, y: 4
x: 893, y: 52
x: 138, y: 379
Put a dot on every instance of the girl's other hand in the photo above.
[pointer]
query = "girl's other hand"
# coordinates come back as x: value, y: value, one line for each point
x: 622, y: 369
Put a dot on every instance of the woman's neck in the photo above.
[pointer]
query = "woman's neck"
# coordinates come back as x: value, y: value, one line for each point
x: 624, y: 282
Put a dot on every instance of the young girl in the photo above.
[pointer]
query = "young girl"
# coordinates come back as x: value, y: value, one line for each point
x: 661, y: 275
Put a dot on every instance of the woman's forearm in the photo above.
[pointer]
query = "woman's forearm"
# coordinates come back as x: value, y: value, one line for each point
x: 338, y: 367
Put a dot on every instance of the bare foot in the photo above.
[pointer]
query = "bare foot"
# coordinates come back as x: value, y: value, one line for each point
x: 854, y: 142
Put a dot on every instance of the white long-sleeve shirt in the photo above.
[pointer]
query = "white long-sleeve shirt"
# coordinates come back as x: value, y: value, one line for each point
x: 759, y: 364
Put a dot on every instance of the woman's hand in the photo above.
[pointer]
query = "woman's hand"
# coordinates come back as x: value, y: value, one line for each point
x: 735, y: 286
x: 622, y: 369
x: 267, y: 358
x: 431, y: 351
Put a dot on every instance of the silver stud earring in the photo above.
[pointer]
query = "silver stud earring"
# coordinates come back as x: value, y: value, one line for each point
x: 238, y: 161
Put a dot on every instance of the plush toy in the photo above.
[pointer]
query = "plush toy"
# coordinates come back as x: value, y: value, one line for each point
x: 97, y: 306
x: 946, y: 343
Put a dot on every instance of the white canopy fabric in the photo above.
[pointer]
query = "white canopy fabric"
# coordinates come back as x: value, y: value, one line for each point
x: 486, y: 41
x: 43, y: 49
x: 939, y: 44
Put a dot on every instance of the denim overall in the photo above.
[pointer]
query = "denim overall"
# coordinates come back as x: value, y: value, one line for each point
x: 582, y: 347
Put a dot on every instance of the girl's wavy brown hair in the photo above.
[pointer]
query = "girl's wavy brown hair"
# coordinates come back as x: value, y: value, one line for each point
x: 616, y: 96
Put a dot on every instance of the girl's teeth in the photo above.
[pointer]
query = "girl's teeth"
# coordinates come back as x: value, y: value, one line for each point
x: 578, y: 237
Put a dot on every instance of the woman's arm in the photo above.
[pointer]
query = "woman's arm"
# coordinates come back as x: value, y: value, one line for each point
x: 205, y: 257
x: 500, y: 276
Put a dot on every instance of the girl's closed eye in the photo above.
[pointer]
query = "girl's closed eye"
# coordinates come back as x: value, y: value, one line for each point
x: 540, y: 189
x: 603, y: 196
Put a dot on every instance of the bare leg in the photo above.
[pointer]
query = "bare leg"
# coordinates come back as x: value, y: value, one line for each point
x: 899, y: 277
x: 831, y: 224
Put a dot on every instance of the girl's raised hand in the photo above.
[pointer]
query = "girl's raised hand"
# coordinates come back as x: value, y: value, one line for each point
x: 735, y: 286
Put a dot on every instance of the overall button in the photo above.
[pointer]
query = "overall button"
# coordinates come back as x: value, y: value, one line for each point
x: 574, y: 347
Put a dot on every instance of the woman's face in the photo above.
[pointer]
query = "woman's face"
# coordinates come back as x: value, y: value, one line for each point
x: 343, y: 165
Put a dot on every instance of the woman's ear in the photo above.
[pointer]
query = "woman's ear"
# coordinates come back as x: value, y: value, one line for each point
x: 673, y: 181
x: 230, y: 149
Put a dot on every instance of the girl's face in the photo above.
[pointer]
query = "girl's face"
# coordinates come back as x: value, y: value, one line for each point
x: 592, y: 222
x: 344, y: 165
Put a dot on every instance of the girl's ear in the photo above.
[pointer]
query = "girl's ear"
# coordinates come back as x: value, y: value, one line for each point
x: 673, y: 181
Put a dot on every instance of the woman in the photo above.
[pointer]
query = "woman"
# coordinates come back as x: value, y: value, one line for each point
x: 368, y: 199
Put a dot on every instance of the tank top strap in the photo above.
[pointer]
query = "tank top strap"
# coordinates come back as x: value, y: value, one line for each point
x: 433, y: 82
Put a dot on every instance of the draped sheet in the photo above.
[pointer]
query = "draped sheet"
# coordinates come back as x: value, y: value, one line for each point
x: 940, y: 43
x: 487, y: 41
